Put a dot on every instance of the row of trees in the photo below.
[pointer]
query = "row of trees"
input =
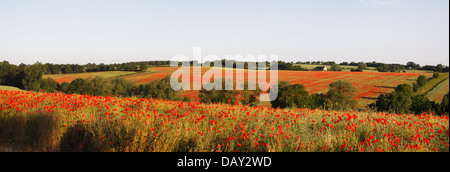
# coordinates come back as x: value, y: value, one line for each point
x: 99, y: 86
x: 381, y: 67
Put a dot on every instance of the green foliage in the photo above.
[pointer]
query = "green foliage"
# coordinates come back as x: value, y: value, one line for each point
x: 122, y: 87
x: 33, y: 76
x: 316, y: 101
x: 443, y: 108
x: 159, y: 89
x: 362, y: 66
x: 435, y: 74
x: 49, y: 85
x: 341, y: 95
x: 218, y: 96
x: 335, y: 67
x: 291, y: 96
x: 249, y: 97
x: 144, y: 67
x: 405, y: 100
x: 422, y: 80
x: 420, y: 104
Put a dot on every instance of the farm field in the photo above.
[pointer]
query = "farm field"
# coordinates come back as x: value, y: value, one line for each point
x: 31, y: 121
x: 439, y: 91
x: 2, y: 87
x: 70, y: 77
x: 369, y: 84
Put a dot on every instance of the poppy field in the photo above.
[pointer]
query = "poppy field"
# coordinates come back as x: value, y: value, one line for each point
x: 369, y: 85
x: 31, y: 121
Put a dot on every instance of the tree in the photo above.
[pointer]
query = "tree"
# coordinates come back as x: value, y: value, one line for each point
x: 143, y: 67
x: 316, y: 101
x: 122, y: 87
x: 436, y: 75
x: 411, y: 65
x: 79, y: 86
x: 444, y: 106
x: 362, y: 66
x: 249, y: 97
x: 422, y: 80
x: 399, y: 101
x: 335, y: 67
x: 98, y: 86
x: 218, y: 96
x: 33, y: 77
x: 421, y: 104
x: 49, y: 85
x: 439, y: 68
x: 159, y: 89
x: 341, y: 95
x: 291, y: 96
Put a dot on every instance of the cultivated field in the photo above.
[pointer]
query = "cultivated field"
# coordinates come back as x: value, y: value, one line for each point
x: 368, y: 84
x: 2, y: 87
x: 59, y: 122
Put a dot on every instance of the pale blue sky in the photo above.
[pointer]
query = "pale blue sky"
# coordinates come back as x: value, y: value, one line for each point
x: 116, y: 31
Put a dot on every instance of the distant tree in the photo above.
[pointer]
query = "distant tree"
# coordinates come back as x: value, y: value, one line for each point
x: 439, y: 68
x: 344, y: 63
x: 143, y: 67
x: 341, y: 95
x: 436, y: 75
x: 411, y: 65
x: 362, y: 66
x: 335, y: 67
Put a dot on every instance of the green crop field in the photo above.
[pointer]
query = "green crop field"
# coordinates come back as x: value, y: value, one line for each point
x: 9, y: 88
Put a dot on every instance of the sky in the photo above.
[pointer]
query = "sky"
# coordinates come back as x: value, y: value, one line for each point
x: 118, y: 31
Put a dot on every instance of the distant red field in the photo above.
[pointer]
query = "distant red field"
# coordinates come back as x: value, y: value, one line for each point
x: 368, y: 84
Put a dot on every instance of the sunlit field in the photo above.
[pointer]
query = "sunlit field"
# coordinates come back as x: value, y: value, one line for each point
x: 369, y: 85
x: 32, y: 121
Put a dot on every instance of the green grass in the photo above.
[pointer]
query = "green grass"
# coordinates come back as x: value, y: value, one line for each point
x: 438, y: 92
x: 433, y: 83
x: 9, y: 88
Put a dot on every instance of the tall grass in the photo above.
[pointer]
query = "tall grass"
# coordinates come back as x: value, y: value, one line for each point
x: 60, y: 122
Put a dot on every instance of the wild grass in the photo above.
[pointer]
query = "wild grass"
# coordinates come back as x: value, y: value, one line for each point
x: 60, y: 122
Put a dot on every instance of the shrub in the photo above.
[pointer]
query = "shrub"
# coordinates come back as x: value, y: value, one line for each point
x: 422, y: 81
